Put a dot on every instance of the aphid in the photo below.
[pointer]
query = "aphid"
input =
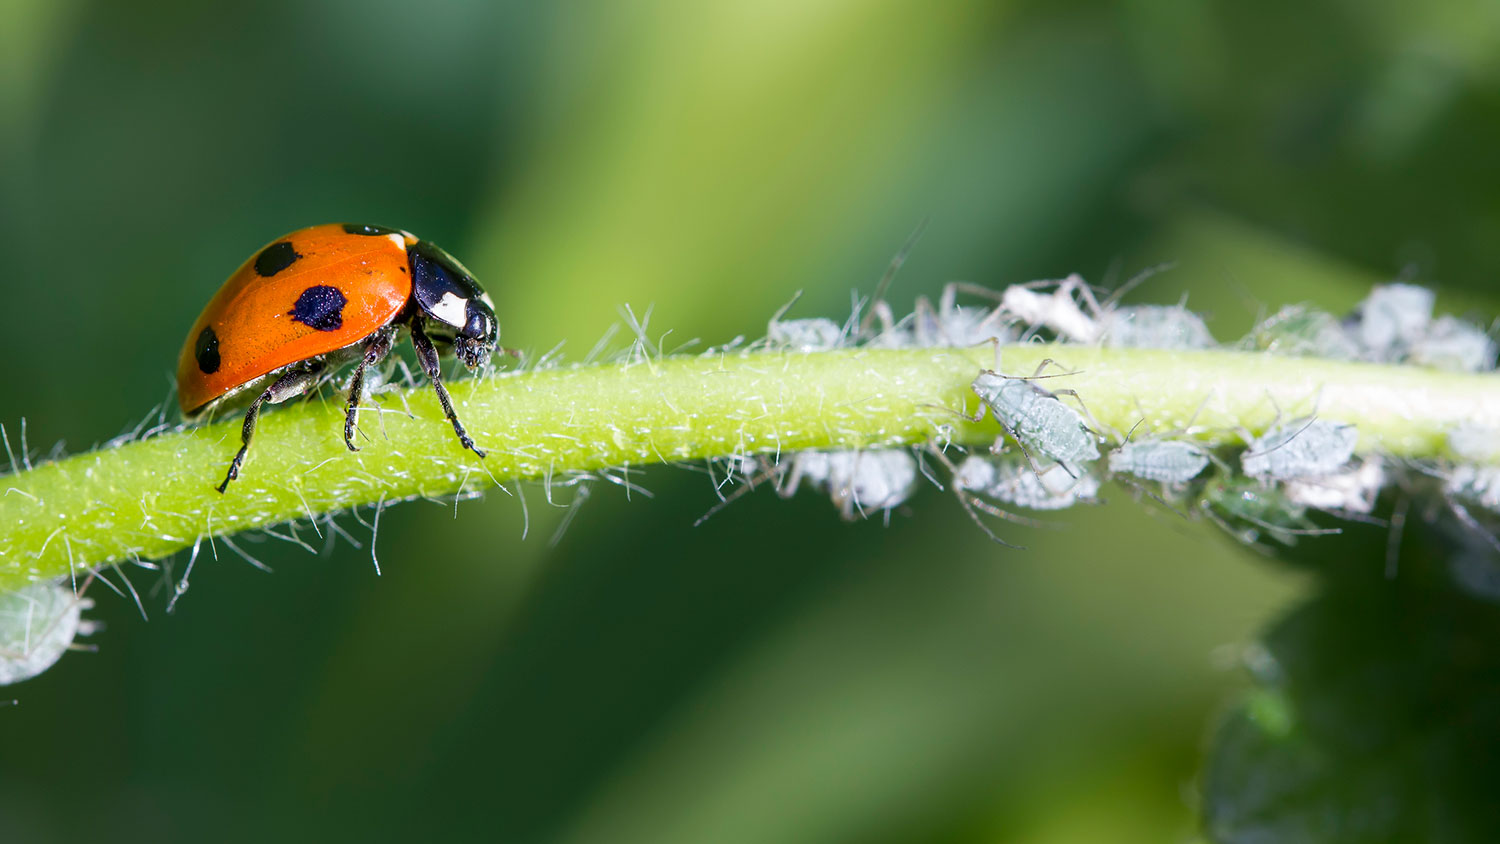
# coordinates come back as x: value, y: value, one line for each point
x: 1479, y: 486
x: 1390, y: 320
x: 1037, y: 420
x: 1301, y: 331
x: 323, y: 297
x: 1248, y: 510
x: 948, y: 325
x: 1169, y: 462
x: 1154, y: 327
x: 1353, y: 490
x: 1454, y: 345
x: 1013, y: 483
x: 1304, y: 449
x: 1475, y: 484
x: 38, y: 622
x: 1059, y: 310
x: 858, y: 482
x: 1475, y: 442
x: 815, y: 334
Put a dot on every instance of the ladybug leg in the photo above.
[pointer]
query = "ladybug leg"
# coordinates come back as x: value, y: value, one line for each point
x: 292, y: 384
x: 427, y: 356
x: 376, y: 348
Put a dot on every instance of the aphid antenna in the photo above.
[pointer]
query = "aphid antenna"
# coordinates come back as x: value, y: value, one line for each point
x: 782, y: 311
x: 1113, y: 299
x: 881, y: 287
x: 1295, y: 434
x: 725, y: 501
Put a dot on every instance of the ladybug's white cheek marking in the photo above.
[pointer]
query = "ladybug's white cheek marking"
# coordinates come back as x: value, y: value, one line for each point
x: 451, y: 309
x: 485, y: 298
x: 398, y: 239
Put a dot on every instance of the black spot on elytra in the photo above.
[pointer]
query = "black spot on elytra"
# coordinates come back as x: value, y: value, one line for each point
x: 206, y: 350
x: 320, y: 307
x: 370, y: 231
x: 275, y: 258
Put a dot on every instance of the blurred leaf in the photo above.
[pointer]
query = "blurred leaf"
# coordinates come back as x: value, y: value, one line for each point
x: 1377, y: 721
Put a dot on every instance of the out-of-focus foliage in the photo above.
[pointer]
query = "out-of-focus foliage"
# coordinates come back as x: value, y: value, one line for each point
x: 774, y: 675
x: 1376, y: 720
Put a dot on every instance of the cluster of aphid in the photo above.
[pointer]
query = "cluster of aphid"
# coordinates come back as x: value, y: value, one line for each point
x: 1054, y: 455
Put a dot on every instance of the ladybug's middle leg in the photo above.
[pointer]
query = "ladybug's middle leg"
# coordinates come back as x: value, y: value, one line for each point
x: 290, y: 385
x: 376, y: 348
x: 427, y: 356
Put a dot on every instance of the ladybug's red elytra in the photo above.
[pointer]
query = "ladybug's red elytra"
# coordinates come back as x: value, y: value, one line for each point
x: 322, y: 297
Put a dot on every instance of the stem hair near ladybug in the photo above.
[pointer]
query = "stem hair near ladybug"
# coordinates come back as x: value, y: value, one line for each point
x: 324, y: 297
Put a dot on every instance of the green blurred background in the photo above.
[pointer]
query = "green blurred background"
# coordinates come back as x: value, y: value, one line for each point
x: 774, y: 675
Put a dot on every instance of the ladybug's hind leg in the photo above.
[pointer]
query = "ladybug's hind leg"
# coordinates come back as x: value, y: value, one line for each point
x: 290, y: 385
x: 376, y: 348
x: 427, y: 356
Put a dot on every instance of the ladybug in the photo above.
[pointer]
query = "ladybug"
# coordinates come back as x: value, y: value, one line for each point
x: 320, y: 298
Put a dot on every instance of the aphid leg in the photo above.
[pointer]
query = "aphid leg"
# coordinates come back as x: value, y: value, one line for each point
x: 970, y: 502
x: 288, y: 386
x: 1467, y: 519
x: 1093, y: 421
x: 427, y: 357
x: 1393, y: 537
x: 376, y: 348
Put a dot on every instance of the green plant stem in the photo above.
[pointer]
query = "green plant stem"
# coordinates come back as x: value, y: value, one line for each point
x: 151, y: 498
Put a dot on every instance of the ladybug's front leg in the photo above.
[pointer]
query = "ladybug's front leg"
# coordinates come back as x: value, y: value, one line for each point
x: 376, y: 348
x: 290, y: 385
x: 427, y: 356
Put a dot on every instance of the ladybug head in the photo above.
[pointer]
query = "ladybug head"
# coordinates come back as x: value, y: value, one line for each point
x: 475, y: 342
x: 454, y: 309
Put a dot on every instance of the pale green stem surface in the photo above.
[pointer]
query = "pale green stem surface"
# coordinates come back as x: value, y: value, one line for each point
x: 148, y: 499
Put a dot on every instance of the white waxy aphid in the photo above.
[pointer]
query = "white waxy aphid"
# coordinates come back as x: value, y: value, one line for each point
x: 1059, y: 310
x: 1353, y: 490
x: 1475, y: 442
x: 1015, y: 483
x: 805, y: 335
x: 1390, y: 320
x: 37, y: 624
x: 862, y: 482
x: 1452, y: 344
x: 1303, y: 449
x: 1164, y: 461
x: 1041, y: 423
x: 1154, y: 327
x: 858, y: 482
x: 1300, y: 331
x: 948, y: 325
x: 1476, y: 485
